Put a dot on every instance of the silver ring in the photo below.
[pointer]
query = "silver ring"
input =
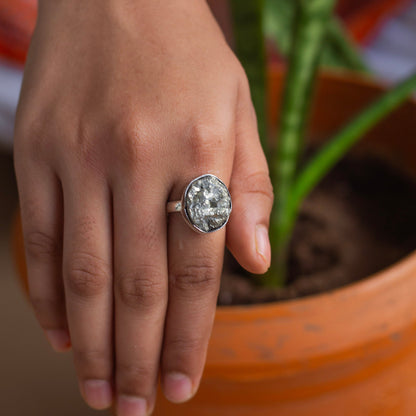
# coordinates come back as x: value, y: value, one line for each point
x: 205, y: 205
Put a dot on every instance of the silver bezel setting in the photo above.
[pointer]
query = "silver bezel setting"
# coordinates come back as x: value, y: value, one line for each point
x: 185, y: 208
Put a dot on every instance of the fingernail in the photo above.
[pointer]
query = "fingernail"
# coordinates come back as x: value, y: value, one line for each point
x: 177, y: 387
x: 59, y: 339
x: 263, y: 243
x: 98, y: 394
x: 131, y: 406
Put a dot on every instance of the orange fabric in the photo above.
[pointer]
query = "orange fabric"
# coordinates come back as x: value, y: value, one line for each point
x: 363, y: 18
x: 17, y: 21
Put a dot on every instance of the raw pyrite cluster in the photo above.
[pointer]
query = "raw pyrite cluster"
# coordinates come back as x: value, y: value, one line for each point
x: 207, y: 203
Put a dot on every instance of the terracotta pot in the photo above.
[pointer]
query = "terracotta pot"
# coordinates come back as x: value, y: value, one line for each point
x: 348, y: 352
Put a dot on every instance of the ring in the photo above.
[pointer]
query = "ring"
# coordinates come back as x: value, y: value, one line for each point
x: 205, y: 204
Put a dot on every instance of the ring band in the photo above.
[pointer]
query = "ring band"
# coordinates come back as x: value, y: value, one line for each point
x: 174, y: 206
x: 205, y: 205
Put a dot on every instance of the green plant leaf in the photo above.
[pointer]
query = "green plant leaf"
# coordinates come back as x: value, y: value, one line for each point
x: 250, y: 49
x: 312, y: 17
x: 339, y: 50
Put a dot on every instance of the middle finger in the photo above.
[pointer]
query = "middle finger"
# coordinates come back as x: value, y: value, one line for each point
x: 140, y: 292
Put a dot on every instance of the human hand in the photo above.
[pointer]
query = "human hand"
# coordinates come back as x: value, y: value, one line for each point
x: 123, y: 103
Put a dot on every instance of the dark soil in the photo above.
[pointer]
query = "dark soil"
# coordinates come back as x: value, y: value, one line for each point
x: 359, y: 220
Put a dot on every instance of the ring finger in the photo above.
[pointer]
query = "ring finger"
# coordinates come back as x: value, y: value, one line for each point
x: 195, y: 263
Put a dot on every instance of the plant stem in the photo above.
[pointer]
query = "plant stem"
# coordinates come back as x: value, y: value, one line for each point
x: 250, y: 49
x: 339, y: 50
x: 336, y: 148
x: 278, y: 23
x: 311, y: 21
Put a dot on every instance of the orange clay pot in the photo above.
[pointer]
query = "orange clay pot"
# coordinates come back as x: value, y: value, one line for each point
x: 349, y: 352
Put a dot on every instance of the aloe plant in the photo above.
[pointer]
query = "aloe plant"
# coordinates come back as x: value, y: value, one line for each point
x: 310, y: 34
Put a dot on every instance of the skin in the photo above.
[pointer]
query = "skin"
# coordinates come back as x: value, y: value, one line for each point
x: 123, y: 103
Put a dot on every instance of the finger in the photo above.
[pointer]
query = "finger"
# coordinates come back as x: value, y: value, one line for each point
x: 41, y: 209
x: 87, y: 265
x: 195, y: 263
x: 140, y: 290
x: 247, y: 230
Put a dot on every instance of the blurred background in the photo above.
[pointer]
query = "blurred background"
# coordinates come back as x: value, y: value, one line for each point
x: 35, y: 380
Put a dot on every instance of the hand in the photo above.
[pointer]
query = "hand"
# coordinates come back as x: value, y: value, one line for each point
x: 123, y: 103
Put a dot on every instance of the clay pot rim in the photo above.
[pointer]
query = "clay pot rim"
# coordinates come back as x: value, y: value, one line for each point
x: 374, y: 316
x: 381, y: 280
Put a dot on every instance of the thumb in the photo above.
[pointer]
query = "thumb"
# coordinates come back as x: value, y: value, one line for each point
x: 252, y: 193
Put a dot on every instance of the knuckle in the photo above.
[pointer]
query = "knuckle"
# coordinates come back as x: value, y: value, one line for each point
x: 131, y: 149
x: 50, y: 312
x: 87, y: 275
x: 199, y: 277
x: 205, y: 140
x: 243, y: 79
x: 41, y: 246
x: 85, y: 149
x: 136, y: 379
x: 235, y: 71
x: 32, y: 131
x: 142, y: 288
x: 245, y: 105
x: 184, y: 347
x: 83, y: 138
x: 134, y: 147
x: 256, y: 183
x: 94, y: 364
x: 243, y: 83
x: 32, y: 139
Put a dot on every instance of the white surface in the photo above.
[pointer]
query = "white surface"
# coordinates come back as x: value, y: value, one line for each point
x: 10, y: 82
x: 392, y: 55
